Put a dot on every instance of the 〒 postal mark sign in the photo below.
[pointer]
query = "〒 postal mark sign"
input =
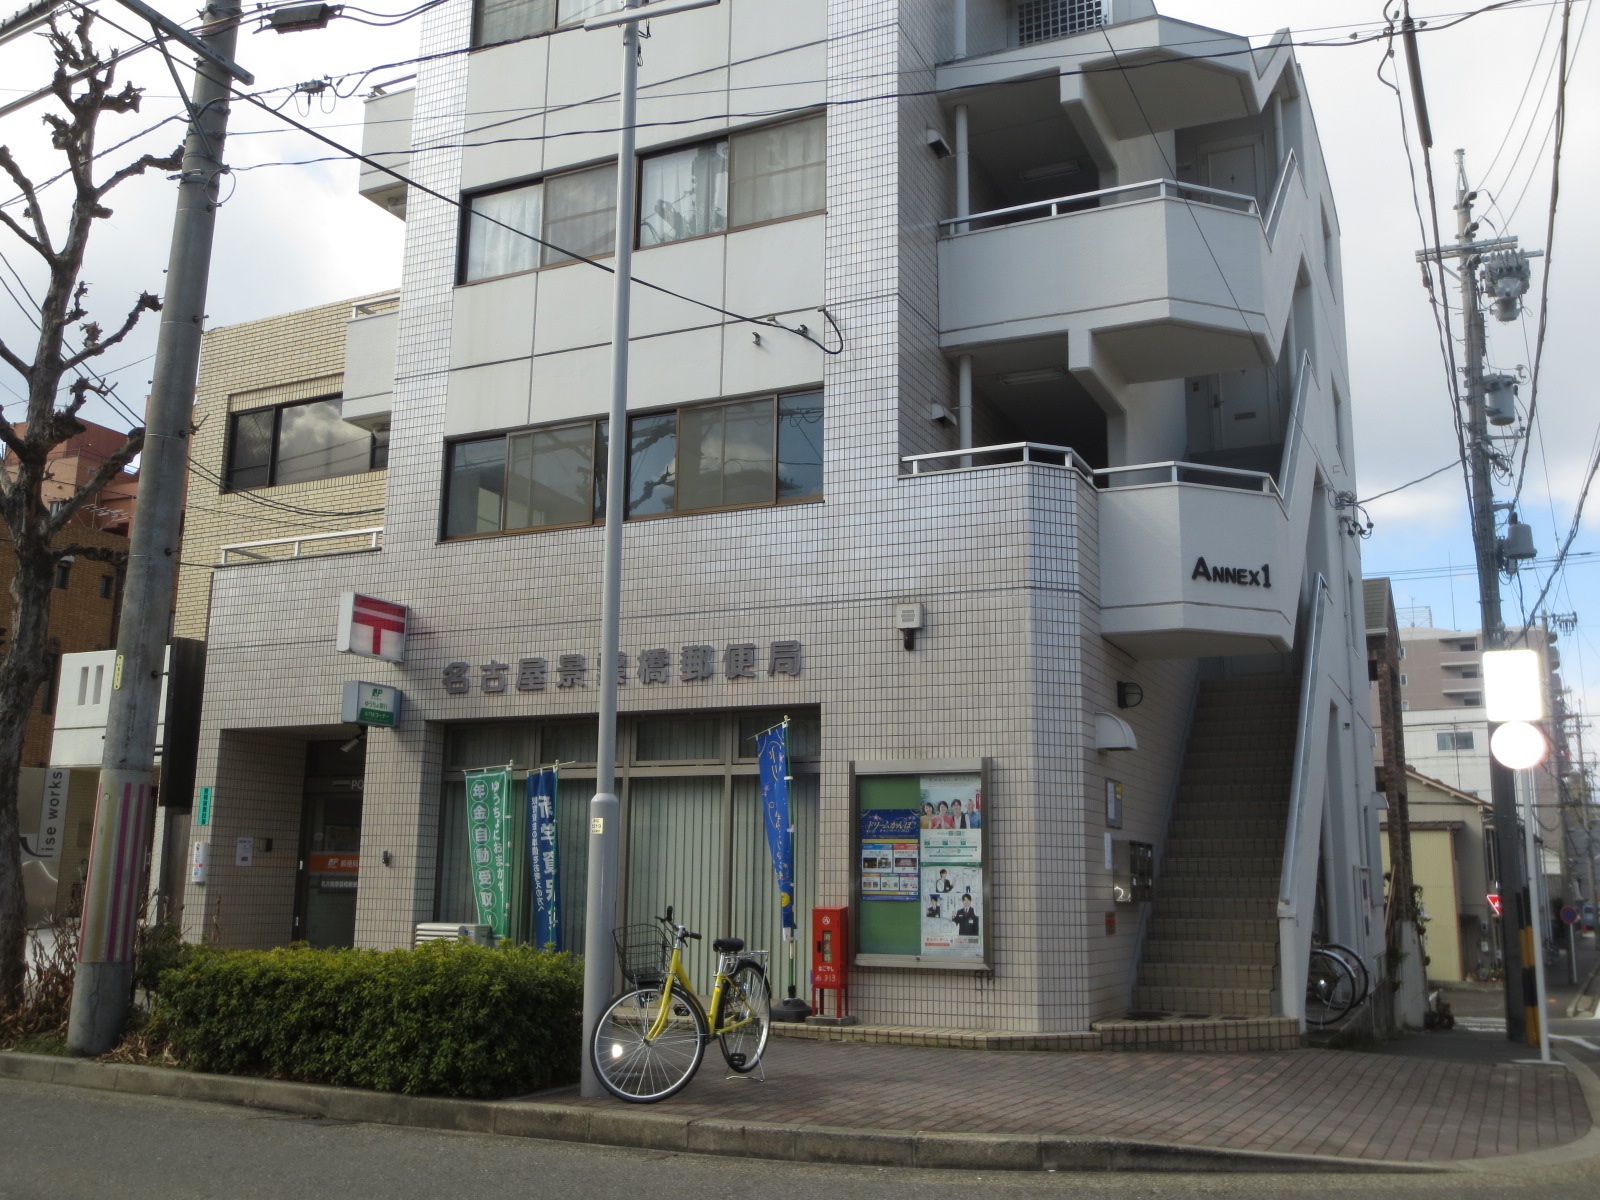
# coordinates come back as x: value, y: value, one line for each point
x: 371, y: 627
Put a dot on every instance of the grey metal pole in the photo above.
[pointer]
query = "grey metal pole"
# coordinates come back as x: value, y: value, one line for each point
x: 1540, y: 911
x: 605, y: 835
x: 103, y: 987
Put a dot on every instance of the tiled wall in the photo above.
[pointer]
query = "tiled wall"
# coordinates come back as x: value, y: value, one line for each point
x: 1010, y: 667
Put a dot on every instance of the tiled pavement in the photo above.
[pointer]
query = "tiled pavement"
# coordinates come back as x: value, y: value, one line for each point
x: 1392, y: 1107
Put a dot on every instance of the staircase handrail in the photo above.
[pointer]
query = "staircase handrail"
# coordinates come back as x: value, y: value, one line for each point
x: 1303, y: 738
x: 1280, y: 192
x: 1295, y: 430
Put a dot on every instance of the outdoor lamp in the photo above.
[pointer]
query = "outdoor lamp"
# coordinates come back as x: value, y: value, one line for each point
x: 1129, y: 694
x: 1518, y: 745
x: 1511, y: 686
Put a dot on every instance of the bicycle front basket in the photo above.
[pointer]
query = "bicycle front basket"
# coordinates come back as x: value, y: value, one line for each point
x: 644, y: 953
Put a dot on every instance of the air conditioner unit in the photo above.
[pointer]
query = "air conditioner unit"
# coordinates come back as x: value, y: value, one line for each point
x: 451, y: 931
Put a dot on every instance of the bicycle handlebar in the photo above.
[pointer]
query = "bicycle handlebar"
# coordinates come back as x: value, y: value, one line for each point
x: 678, y: 930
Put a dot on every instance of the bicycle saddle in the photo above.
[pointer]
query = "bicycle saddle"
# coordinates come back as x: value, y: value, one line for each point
x: 728, y: 945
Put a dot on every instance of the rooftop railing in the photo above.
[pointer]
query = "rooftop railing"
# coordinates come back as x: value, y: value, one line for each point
x: 276, y: 549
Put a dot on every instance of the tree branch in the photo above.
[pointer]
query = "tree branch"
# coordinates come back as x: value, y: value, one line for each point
x: 171, y: 162
x: 107, y: 471
x: 15, y: 363
x: 93, y: 346
x: 40, y: 244
x: 103, y: 554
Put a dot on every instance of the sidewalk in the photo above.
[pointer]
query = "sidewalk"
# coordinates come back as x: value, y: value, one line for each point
x: 1431, y: 1103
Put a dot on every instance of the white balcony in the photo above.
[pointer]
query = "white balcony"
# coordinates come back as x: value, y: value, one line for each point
x: 83, y: 706
x: 1158, y: 521
x: 1129, y: 274
x: 369, y: 353
x: 386, y: 138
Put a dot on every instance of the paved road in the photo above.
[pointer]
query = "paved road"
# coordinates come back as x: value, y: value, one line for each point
x: 66, y: 1144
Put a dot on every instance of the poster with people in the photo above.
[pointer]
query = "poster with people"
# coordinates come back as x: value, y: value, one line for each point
x: 950, y: 844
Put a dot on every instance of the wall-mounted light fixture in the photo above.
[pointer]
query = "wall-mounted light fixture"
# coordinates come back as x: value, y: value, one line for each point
x: 908, y: 619
x: 1129, y: 694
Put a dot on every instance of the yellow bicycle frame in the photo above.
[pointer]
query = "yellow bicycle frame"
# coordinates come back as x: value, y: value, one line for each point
x: 676, y: 974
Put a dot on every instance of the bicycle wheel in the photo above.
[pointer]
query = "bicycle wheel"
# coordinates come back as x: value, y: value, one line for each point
x: 1358, y: 968
x: 636, y: 1067
x: 1330, y: 989
x: 746, y: 1016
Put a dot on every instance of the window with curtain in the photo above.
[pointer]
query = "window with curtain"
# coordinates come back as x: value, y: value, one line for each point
x: 497, y: 21
x: 573, y: 212
x: 758, y: 175
x: 731, y: 454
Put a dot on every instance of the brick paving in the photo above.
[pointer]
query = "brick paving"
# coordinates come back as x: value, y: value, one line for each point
x: 1324, y: 1102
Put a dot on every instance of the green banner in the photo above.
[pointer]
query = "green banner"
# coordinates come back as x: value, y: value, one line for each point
x: 489, y: 844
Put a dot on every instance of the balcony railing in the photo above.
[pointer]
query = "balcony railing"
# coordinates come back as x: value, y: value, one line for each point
x: 274, y: 549
x: 1128, y: 193
x: 1005, y: 454
x: 376, y: 307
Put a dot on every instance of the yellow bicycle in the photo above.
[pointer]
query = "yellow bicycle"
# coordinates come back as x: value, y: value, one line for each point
x: 650, y: 1041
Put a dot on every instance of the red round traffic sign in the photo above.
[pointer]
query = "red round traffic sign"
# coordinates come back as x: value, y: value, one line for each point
x: 1569, y: 914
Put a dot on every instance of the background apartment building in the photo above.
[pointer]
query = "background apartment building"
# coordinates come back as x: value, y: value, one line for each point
x: 987, y: 420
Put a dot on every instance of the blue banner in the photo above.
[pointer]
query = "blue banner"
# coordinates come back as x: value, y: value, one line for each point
x: 772, y: 752
x: 544, y: 873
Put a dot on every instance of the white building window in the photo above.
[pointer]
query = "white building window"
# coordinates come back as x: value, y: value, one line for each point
x: 571, y: 214
x: 496, y: 21
x: 759, y: 175
x: 1459, y: 739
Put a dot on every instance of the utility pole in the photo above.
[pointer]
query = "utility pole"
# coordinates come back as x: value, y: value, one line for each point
x: 605, y: 833
x: 1519, y: 944
x: 103, y: 987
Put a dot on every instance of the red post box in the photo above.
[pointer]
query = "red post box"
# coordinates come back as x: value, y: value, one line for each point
x: 830, y: 958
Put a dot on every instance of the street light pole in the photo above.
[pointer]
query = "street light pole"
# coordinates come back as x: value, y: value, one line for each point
x: 605, y: 834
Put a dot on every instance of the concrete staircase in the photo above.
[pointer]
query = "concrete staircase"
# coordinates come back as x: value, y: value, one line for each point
x: 1213, y: 938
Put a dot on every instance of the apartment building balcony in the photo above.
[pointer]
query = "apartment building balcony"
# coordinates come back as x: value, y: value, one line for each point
x: 386, y: 138
x: 369, y: 355
x: 1193, y: 559
x: 1147, y: 281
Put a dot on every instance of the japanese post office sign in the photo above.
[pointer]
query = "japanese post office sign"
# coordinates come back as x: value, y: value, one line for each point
x: 371, y: 627
x: 370, y: 704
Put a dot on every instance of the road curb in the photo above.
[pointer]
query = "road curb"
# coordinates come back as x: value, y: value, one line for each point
x: 657, y: 1130
x: 1583, y: 990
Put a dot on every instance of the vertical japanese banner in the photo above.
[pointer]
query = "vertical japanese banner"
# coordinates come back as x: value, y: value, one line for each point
x: 772, y: 752
x: 489, y: 844
x: 545, y: 873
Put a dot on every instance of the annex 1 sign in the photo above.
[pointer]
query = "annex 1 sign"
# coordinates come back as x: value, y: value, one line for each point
x: 1260, y: 577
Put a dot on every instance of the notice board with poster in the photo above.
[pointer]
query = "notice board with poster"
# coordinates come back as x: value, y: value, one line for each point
x: 921, y: 895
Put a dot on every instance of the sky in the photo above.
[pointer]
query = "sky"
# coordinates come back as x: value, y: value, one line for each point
x: 293, y: 236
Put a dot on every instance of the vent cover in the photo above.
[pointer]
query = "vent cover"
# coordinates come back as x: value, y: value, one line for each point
x: 1042, y: 20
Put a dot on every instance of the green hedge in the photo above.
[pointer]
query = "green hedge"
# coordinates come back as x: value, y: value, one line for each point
x: 446, y: 1019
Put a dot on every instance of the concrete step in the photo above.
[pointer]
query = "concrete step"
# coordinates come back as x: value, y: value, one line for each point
x: 1259, y: 759
x: 1184, y: 863
x: 1236, y: 809
x: 1188, y: 928
x: 1261, y: 952
x: 1238, y: 1002
x: 1244, y: 741
x: 1217, y: 908
x: 1194, y: 847
x: 1226, y: 976
x: 1239, y: 776
x: 1218, y: 887
x: 1233, y: 792
x: 1145, y: 1031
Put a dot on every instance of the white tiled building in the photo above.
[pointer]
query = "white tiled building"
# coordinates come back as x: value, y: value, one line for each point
x: 989, y: 231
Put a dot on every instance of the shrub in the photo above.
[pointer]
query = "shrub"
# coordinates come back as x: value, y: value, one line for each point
x: 445, y: 1019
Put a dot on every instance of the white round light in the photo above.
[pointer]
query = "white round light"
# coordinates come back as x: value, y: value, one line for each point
x: 1518, y: 745
x: 616, y: 1050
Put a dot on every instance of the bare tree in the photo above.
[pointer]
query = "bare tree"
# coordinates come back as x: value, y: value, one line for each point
x: 58, y: 384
